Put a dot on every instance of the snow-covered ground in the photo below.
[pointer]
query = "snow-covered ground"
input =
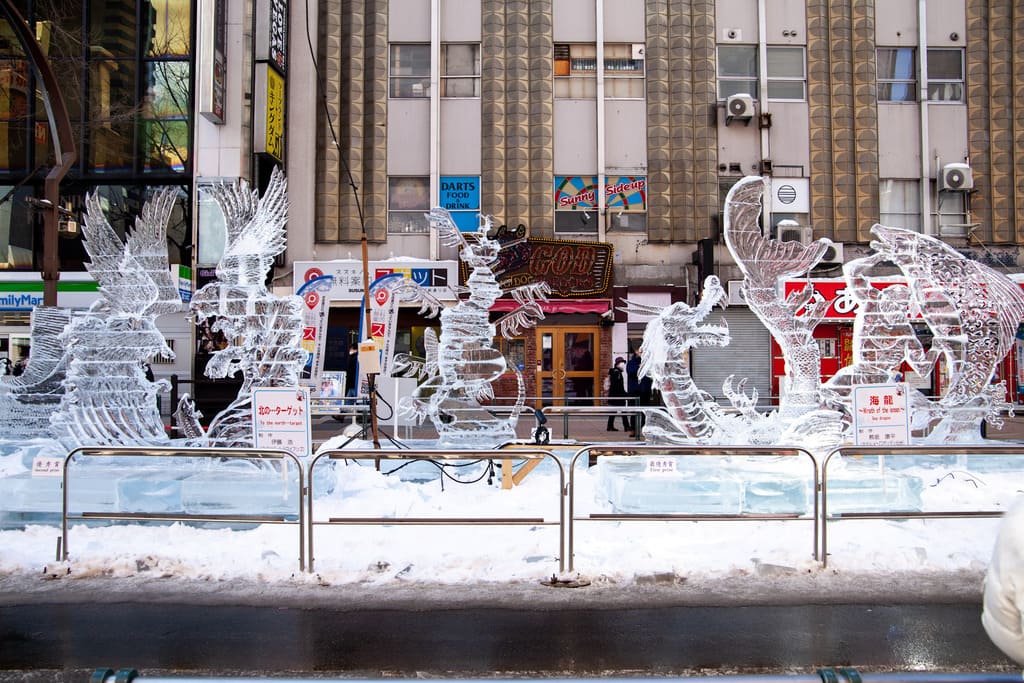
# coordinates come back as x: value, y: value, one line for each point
x: 705, y: 561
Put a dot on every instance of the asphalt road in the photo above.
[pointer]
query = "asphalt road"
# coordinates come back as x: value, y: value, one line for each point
x: 226, y: 640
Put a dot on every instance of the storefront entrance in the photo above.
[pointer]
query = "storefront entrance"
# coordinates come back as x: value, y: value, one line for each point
x: 568, y: 364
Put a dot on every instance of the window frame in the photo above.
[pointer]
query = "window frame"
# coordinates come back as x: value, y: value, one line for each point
x: 909, y: 218
x: 961, y: 81
x: 419, y: 226
x: 574, y: 66
x: 750, y: 79
x: 801, y: 79
x: 395, y: 80
x: 891, y: 81
x: 447, y: 78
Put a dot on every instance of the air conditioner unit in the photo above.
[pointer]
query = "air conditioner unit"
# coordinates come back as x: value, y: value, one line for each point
x: 956, y: 177
x: 739, y: 108
x: 804, y: 234
x: 833, y: 255
x: 736, y: 293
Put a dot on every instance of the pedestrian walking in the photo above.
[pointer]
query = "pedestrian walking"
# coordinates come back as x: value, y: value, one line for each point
x: 617, y: 394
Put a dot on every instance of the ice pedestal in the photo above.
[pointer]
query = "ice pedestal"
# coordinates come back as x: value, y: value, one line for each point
x: 701, y: 485
x: 149, y: 486
x: 866, y: 489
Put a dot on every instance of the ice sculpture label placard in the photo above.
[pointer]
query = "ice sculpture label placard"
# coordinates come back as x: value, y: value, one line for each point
x: 281, y: 419
x: 881, y: 415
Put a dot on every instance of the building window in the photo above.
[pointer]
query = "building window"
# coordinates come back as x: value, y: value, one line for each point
x: 737, y: 70
x: 575, y: 70
x: 410, y: 70
x: 897, y: 74
x: 899, y: 203
x: 408, y: 204
x: 787, y: 74
x: 514, y: 351
x: 460, y: 70
x: 582, y: 221
x: 624, y: 71
x: 946, y: 75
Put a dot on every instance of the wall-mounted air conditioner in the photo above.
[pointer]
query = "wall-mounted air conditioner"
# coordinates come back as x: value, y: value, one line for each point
x: 736, y: 293
x: 956, y: 177
x: 739, y: 108
x: 833, y: 255
x: 804, y: 234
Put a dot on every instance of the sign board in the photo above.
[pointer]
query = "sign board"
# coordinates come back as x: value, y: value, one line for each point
x: 461, y: 196
x: 881, y: 415
x: 621, y: 193
x: 436, y: 277
x: 23, y: 291
x: 212, y: 67
x: 47, y: 466
x: 573, y: 269
x: 384, y: 321
x: 184, y: 277
x: 268, y: 112
x: 281, y: 419
x: 272, y: 33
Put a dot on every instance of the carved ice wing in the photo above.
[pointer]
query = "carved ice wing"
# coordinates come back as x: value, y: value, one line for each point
x: 148, y: 245
x: 255, y: 226
x: 763, y: 260
x: 104, y: 247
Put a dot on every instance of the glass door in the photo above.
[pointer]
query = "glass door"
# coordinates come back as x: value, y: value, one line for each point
x: 568, y: 366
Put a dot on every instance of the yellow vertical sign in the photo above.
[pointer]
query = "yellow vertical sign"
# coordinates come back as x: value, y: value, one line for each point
x: 269, y: 134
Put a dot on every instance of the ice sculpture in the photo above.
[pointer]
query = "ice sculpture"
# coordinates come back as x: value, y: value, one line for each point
x: 972, y: 311
x: 692, y: 415
x: 108, y: 400
x: 28, y: 400
x: 764, y: 263
x: 462, y: 364
x: 264, y: 331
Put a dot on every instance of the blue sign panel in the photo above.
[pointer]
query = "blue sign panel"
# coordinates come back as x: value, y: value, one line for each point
x: 460, y: 194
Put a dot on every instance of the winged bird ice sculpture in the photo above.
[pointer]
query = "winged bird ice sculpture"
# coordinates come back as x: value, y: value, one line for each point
x: 107, y: 399
x: 264, y: 330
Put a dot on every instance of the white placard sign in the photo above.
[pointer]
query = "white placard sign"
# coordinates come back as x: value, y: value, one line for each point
x: 881, y: 415
x: 281, y: 419
x: 47, y: 466
x: 659, y: 465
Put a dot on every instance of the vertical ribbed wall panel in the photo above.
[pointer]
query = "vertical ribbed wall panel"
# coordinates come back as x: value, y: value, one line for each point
x: 659, y: 125
x: 541, y: 123
x: 703, y: 120
x: 1015, y: 232
x: 819, y: 100
x: 353, y: 62
x: 492, y: 125
x: 844, y: 161
x: 517, y: 111
x: 682, y: 138
x: 978, y: 113
x: 865, y: 122
x: 374, y: 122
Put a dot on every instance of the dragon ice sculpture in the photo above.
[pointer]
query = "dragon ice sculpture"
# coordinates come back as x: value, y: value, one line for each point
x: 461, y: 366
x: 264, y: 330
x: 972, y: 311
x: 691, y: 414
x: 107, y: 399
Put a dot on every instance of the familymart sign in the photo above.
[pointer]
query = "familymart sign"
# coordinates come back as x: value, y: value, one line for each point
x: 24, y: 291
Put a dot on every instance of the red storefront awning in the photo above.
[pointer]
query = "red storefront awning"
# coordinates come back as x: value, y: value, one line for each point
x: 559, y: 305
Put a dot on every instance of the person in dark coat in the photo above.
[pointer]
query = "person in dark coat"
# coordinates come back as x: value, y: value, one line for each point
x: 617, y: 392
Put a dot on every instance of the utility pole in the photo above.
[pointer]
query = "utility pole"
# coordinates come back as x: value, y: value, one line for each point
x: 63, y: 147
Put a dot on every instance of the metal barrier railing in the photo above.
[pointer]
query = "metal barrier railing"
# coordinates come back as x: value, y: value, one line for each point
x: 212, y: 454
x: 636, y: 411
x: 902, y: 452
x: 700, y: 451
x: 437, y: 456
